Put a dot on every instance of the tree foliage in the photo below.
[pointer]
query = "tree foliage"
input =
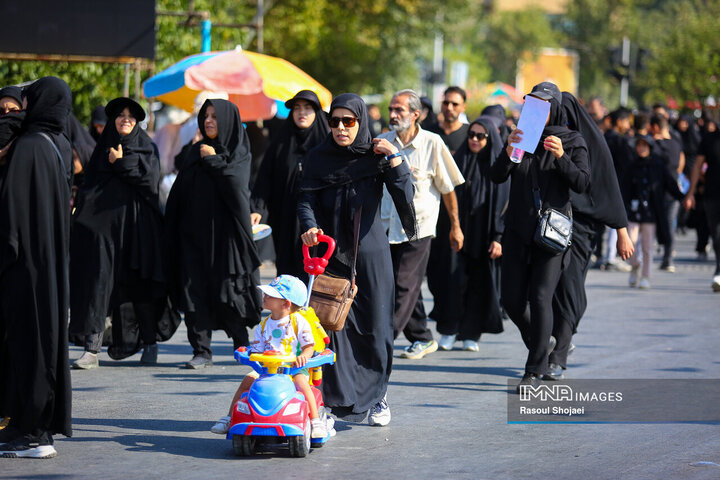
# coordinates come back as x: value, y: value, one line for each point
x: 380, y: 46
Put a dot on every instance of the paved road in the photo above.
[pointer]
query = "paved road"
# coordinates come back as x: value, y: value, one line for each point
x: 449, y: 414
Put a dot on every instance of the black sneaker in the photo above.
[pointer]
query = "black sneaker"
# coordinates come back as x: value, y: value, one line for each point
x: 529, y: 379
x: 28, y: 446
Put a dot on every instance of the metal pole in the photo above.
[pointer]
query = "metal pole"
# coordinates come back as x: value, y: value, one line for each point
x: 126, y: 81
x: 625, y: 81
x: 260, y: 15
x: 206, y: 34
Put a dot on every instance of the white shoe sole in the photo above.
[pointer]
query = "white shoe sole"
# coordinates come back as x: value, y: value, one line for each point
x: 417, y: 356
x: 43, y: 451
x: 379, y: 422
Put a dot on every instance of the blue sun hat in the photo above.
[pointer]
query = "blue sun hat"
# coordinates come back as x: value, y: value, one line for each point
x: 287, y: 287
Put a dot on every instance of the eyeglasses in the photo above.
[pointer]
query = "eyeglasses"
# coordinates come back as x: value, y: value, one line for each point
x: 477, y: 135
x: 348, y: 122
x: 448, y: 102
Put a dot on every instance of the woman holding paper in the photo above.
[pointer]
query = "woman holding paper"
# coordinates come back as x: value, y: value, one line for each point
x: 530, y: 274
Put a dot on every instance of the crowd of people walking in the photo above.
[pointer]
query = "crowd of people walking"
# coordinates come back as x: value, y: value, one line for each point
x: 83, y: 230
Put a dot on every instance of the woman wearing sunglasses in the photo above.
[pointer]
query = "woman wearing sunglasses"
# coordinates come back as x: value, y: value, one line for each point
x: 474, y: 282
x: 276, y: 190
x: 344, y: 177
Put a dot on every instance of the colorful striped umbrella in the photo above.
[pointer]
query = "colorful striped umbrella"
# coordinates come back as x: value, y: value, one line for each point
x: 256, y: 83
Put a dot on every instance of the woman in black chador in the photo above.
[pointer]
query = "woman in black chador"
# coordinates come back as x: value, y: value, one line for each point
x: 529, y: 273
x: 276, y: 189
x: 34, y: 231
x: 343, y: 178
x: 474, y: 287
x: 116, y: 240
x: 212, y: 259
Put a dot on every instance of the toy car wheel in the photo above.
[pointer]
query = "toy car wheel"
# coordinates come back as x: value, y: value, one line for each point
x: 300, y: 445
x: 243, y: 446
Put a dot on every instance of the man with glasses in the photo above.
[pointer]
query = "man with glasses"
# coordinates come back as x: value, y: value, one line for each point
x: 453, y: 130
x: 435, y: 175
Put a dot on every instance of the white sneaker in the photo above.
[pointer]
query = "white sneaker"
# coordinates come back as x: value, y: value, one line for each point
x: 330, y: 425
x: 471, y: 346
x: 380, y: 413
x: 446, y: 342
x: 87, y: 361
x: 222, y: 426
x: 644, y: 283
x: 633, y: 280
x: 319, y: 429
x: 418, y: 350
x: 716, y: 283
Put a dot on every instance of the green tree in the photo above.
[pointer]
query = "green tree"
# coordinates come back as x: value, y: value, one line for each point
x: 685, y: 57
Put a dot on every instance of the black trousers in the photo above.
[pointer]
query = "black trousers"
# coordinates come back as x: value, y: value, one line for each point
x: 712, y: 211
x: 409, y: 263
x: 146, y: 316
x: 202, y: 321
x: 529, y: 278
x: 570, y: 299
x: 672, y: 208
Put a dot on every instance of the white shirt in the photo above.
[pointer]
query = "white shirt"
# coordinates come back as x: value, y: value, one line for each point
x: 434, y: 174
x: 280, y: 335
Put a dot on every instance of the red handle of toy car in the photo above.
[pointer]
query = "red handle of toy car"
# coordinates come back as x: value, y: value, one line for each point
x: 316, y: 265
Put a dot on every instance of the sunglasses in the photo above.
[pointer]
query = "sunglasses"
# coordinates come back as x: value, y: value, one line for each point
x: 477, y: 135
x: 348, y: 122
x: 448, y: 102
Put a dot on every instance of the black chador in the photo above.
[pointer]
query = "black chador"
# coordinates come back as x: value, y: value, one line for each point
x: 600, y: 204
x: 116, y: 240
x: 34, y: 235
x: 337, y: 183
x: 276, y: 190
x: 212, y: 259
x: 471, y: 282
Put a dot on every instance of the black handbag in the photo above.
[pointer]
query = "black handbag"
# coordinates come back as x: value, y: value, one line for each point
x: 554, y: 229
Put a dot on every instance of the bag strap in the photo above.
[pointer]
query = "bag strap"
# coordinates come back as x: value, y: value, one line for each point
x: 535, y: 189
x: 47, y: 137
x: 536, y: 193
x: 356, y: 240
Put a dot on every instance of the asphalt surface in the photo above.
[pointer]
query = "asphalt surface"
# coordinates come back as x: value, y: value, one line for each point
x: 449, y: 410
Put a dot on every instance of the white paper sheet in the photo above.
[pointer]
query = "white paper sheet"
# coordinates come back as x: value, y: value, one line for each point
x: 533, y: 116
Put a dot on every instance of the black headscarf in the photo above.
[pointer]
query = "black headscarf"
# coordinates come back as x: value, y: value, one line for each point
x: 48, y: 105
x: 557, y: 126
x: 602, y: 201
x: 80, y: 139
x: 338, y: 165
x: 292, y: 143
x: 208, y: 215
x: 13, y: 92
x: 474, y: 166
x: 479, y: 190
x: 331, y: 166
x: 277, y: 186
x: 497, y: 115
x: 10, y: 126
x: 136, y: 143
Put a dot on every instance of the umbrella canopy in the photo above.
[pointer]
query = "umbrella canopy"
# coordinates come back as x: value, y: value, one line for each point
x: 253, y: 82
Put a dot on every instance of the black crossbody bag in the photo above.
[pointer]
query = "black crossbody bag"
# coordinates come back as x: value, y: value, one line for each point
x: 554, y: 228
